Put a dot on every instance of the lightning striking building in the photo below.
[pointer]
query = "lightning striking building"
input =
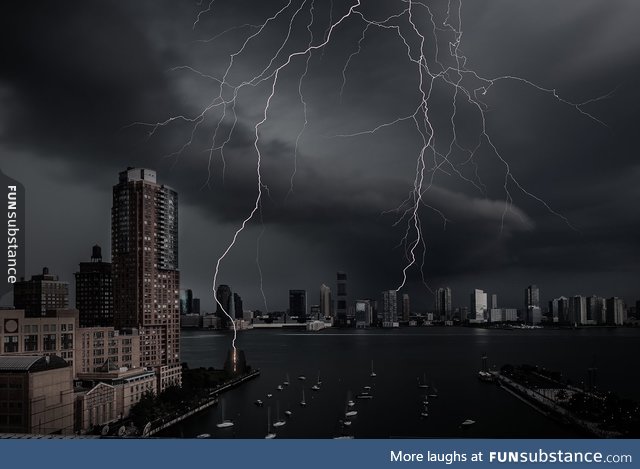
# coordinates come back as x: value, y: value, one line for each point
x: 146, y: 280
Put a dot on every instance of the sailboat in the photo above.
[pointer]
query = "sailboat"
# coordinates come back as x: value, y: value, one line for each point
x: 270, y: 434
x: 316, y: 387
x: 352, y: 412
x: 434, y: 391
x: 373, y: 373
x: 224, y: 423
x: 303, y: 402
x: 423, y: 384
x: 280, y: 422
x: 286, y: 382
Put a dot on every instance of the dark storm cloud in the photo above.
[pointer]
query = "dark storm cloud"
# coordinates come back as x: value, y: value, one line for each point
x: 77, y: 74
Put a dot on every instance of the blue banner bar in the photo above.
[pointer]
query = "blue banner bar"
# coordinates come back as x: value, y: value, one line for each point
x: 321, y: 454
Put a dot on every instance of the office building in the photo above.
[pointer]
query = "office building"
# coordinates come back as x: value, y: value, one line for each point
x: 37, y: 395
x: 224, y: 305
x: 325, y: 301
x: 364, y: 316
x: 298, y: 304
x: 494, y: 301
x: 40, y: 294
x: 532, y: 310
x: 341, y: 300
x: 478, y: 305
x: 443, y: 304
x: 94, y: 291
x: 406, y: 307
x: 52, y: 334
x: 578, y: 310
x: 146, y: 280
x: 237, y: 306
x: 615, y: 311
x: 389, y: 308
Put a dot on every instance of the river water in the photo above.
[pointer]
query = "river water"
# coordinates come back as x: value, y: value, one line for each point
x: 448, y: 357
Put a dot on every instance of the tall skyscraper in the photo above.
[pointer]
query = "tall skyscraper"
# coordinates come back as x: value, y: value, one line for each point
x: 364, y: 315
x: 237, y: 306
x: 478, y: 305
x: 146, y: 280
x: 40, y: 294
x: 578, y: 309
x: 406, y: 307
x: 389, y: 308
x: 325, y: 301
x: 615, y: 311
x: 298, y: 304
x: 94, y: 291
x: 533, y: 313
x: 494, y: 301
x: 443, y: 304
x: 224, y: 303
x: 559, y: 309
x: 341, y: 306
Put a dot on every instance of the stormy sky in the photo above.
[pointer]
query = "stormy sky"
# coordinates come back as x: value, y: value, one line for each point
x: 74, y: 76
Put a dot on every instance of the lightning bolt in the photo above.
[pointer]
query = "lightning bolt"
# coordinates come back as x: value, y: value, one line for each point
x: 407, y: 26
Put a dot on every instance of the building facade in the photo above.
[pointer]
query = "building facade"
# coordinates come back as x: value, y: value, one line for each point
x: 94, y: 291
x: 37, y: 395
x: 443, y: 305
x: 146, y: 280
x: 325, y: 301
x: 40, y: 294
x: 341, y: 299
x: 298, y: 304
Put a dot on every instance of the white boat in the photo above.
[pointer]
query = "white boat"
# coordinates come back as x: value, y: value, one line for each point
x: 224, y: 423
x: 367, y: 388
x: 203, y: 435
x: 279, y: 388
x: 424, y: 414
x: 288, y: 413
x: 286, y: 381
x: 351, y: 413
x: 434, y: 392
x: 468, y: 422
x: 259, y: 403
x: 302, y: 377
x: 373, y: 373
x: 423, y: 384
x: 347, y: 423
x: 270, y: 435
x: 303, y: 402
x: 280, y: 422
x: 350, y: 403
x: 364, y: 396
x: 343, y: 437
x: 316, y: 387
x: 269, y: 395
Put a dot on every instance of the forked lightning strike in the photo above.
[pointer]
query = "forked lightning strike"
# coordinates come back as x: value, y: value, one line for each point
x: 428, y: 69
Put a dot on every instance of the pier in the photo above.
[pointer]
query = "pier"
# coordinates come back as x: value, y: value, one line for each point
x: 158, y: 425
x: 549, y: 401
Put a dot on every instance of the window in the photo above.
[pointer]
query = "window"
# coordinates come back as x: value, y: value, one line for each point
x: 10, y: 344
x: 49, y: 342
x: 30, y: 343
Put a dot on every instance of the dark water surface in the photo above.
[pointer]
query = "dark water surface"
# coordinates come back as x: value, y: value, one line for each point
x: 450, y: 358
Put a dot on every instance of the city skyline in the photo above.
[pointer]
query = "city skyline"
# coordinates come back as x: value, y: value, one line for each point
x: 332, y: 220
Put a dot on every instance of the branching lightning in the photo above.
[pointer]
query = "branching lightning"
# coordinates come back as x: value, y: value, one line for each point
x: 407, y: 27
